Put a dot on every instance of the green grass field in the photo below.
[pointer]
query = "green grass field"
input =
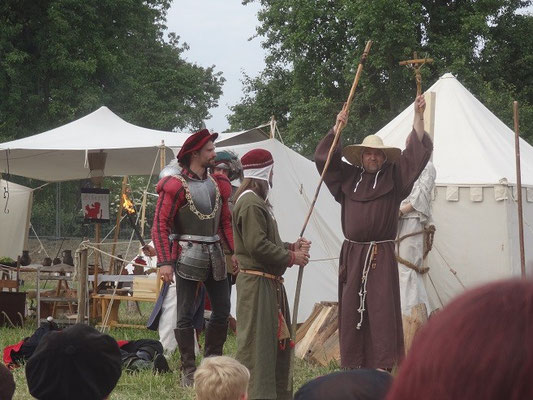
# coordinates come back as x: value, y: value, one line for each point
x: 145, y: 385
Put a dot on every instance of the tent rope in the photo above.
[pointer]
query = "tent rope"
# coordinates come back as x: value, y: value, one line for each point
x: 436, y: 291
x: 41, y: 248
x: 454, y: 272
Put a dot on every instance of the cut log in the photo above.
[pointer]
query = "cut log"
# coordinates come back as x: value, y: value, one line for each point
x: 318, y: 338
x: 303, y: 346
x: 412, y: 323
x: 329, y: 352
x: 302, y: 330
x: 315, y: 353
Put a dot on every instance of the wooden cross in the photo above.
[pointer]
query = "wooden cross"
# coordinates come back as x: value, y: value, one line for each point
x: 417, y: 63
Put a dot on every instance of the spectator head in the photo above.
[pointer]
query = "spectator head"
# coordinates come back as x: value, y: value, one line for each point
x: 76, y: 363
x: 7, y: 383
x: 221, y: 378
x: 358, y: 384
x: 480, y: 346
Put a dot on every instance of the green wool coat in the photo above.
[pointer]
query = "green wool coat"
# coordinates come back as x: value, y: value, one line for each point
x: 259, y: 300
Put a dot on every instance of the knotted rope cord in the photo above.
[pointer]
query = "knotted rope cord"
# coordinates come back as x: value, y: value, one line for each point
x: 429, y: 233
x: 370, y: 256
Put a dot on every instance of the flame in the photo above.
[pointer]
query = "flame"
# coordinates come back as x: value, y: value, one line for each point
x: 127, y: 204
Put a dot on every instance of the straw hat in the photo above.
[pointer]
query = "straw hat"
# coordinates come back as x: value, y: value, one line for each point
x: 354, y: 152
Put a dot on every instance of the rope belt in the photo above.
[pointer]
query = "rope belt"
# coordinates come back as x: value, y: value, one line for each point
x: 370, y: 262
x: 263, y: 274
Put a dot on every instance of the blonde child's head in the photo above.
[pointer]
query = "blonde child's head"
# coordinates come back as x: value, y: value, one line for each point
x: 221, y: 378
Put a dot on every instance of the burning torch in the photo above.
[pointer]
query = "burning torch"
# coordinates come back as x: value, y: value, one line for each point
x: 130, y: 212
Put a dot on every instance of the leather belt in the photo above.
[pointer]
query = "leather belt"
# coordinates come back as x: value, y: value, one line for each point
x: 263, y: 274
x: 194, y: 238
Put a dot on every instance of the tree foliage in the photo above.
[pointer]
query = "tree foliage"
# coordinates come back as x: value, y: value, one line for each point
x: 61, y: 59
x: 313, y: 49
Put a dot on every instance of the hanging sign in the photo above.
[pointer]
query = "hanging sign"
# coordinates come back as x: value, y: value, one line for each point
x: 95, y: 204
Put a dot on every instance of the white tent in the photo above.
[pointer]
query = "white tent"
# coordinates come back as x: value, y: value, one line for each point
x: 295, y: 181
x: 61, y: 154
x: 15, y: 211
x: 474, y: 209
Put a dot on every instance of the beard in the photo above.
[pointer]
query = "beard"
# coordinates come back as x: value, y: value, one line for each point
x: 209, y: 164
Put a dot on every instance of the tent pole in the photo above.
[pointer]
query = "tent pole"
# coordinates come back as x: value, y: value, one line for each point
x: 117, y: 224
x: 143, y: 213
x: 272, y: 127
x: 162, y: 154
x: 339, y: 128
x: 519, y: 190
x: 81, y: 266
x: 429, y: 116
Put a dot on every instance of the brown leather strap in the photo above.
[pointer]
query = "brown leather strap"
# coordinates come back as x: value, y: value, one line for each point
x: 263, y: 274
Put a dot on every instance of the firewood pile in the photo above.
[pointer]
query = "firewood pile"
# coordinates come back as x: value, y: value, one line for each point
x: 317, y: 339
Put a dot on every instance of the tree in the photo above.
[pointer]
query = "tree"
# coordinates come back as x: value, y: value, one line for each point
x: 61, y: 59
x: 313, y: 50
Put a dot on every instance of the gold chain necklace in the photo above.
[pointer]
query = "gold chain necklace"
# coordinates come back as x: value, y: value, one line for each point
x: 191, y: 203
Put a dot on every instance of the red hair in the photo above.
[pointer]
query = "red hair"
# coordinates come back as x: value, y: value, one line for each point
x: 479, y: 347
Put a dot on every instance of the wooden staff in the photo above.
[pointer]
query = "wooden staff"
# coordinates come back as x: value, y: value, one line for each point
x: 519, y: 190
x: 339, y: 128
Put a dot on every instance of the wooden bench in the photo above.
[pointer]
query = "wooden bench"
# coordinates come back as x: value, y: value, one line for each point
x: 145, y: 288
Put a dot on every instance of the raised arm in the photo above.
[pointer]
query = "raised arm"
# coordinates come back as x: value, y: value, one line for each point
x: 334, y: 175
x: 418, y: 122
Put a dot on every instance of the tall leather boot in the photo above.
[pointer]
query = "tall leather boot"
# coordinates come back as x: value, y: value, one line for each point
x: 185, y: 339
x: 215, y: 337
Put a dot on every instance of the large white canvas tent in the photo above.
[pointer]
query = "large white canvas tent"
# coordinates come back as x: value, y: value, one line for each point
x: 15, y: 211
x: 62, y: 153
x: 474, y: 207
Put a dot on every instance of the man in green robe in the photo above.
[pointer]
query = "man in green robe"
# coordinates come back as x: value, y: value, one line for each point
x: 263, y: 338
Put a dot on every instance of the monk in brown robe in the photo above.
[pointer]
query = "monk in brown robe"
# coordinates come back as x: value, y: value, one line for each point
x: 370, y: 190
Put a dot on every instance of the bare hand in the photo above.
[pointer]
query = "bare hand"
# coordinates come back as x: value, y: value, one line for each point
x: 303, y: 244
x: 167, y: 273
x: 420, y: 104
x: 235, y: 262
x: 342, y: 119
x: 149, y: 251
x: 301, y: 258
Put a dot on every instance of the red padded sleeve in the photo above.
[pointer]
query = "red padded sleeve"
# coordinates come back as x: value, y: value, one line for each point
x: 171, y: 198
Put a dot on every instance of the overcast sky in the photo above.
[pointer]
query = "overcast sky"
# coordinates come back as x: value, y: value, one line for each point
x: 217, y: 32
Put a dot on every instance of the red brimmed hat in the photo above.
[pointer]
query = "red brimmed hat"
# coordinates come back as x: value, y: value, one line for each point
x: 195, y: 142
x: 257, y: 158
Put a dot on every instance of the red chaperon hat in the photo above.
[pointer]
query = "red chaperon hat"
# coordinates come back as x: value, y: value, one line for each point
x: 257, y: 158
x: 257, y: 164
x: 195, y: 142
